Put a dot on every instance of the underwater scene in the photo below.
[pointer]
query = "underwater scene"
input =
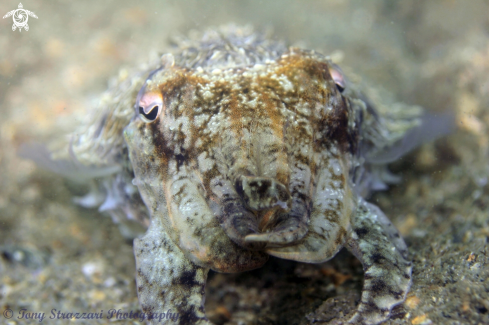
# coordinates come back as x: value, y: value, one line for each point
x: 244, y: 162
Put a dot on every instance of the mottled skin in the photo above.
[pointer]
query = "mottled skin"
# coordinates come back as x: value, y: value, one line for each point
x: 250, y: 159
x: 242, y: 148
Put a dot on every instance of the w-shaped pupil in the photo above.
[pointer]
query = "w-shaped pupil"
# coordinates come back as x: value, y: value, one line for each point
x: 153, y: 113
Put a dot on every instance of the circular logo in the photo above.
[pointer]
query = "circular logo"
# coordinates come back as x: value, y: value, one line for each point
x: 8, y: 313
x: 20, y: 18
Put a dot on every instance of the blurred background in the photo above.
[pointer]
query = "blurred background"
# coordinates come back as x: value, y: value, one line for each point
x: 54, y: 254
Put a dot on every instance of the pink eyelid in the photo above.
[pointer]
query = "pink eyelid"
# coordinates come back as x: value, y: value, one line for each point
x: 337, y: 77
x: 150, y: 100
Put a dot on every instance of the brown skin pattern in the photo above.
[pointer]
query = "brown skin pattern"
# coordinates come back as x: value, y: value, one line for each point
x: 243, y: 158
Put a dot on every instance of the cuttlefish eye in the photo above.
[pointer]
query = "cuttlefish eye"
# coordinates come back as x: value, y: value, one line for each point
x: 338, y: 77
x: 150, y: 106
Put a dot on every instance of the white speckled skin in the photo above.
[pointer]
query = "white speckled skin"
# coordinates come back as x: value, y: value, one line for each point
x: 252, y: 149
x: 254, y: 154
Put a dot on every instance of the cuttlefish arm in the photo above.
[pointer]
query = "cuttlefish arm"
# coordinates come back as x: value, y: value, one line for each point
x: 170, y: 287
x: 384, y: 256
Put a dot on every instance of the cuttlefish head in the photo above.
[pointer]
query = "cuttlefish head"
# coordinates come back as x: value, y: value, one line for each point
x: 231, y: 159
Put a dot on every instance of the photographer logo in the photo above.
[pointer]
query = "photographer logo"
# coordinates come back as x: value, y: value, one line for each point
x: 20, y: 17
